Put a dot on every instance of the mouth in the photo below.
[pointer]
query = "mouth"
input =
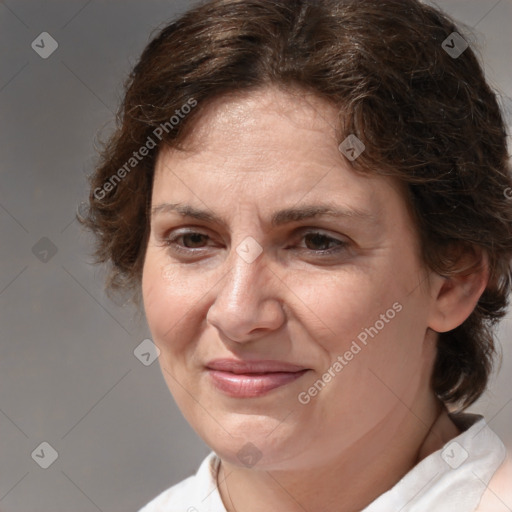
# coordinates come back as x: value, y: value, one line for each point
x: 249, y: 379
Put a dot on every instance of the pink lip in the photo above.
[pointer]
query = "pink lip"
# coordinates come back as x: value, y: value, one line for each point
x: 246, y: 379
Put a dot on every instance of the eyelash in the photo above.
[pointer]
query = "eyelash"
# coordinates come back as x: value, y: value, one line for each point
x: 170, y: 241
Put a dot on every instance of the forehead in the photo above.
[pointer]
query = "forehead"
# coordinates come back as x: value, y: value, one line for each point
x: 268, y: 148
x: 264, y: 119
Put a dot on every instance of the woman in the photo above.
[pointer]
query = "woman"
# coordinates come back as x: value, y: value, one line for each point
x: 310, y: 199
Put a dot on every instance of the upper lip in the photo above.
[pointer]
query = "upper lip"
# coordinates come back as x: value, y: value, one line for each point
x: 261, y: 366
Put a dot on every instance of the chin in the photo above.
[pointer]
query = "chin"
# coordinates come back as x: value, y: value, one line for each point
x: 261, y: 448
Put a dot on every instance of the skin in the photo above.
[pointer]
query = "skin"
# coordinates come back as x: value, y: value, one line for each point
x: 249, y: 156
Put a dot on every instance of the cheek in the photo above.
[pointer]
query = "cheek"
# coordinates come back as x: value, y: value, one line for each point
x: 169, y: 298
x: 346, y: 305
x: 373, y: 322
x: 389, y: 358
x: 382, y: 373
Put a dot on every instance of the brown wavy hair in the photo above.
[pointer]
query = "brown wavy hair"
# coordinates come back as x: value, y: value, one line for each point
x: 426, y: 118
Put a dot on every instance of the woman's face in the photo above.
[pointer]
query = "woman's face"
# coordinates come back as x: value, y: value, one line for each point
x: 329, y: 308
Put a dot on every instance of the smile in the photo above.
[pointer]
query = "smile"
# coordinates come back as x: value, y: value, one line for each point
x: 250, y: 385
x: 249, y: 379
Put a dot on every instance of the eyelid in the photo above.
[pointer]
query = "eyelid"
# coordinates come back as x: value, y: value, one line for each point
x: 173, y: 235
x: 324, y: 232
x: 317, y: 230
x: 176, y: 232
x: 304, y: 230
x: 341, y: 241
x: 170, y: 238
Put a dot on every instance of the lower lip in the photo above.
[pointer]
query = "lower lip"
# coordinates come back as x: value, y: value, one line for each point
x: 251, y: 385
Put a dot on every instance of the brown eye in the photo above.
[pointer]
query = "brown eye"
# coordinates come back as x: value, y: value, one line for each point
x: 319, y: 242
x: 186, y: 242
x: 195, y: 239
x: 322, y: 243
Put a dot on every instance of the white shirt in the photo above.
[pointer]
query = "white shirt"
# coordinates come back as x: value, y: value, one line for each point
x: 451, y: 479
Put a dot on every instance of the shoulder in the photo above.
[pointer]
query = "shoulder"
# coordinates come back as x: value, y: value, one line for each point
x: 498, y: 494
x: 196, y: 493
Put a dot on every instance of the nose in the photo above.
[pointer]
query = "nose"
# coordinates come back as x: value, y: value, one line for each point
x: 247, y: 304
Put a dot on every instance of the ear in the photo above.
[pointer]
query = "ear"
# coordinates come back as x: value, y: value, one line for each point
x: 454, y: 297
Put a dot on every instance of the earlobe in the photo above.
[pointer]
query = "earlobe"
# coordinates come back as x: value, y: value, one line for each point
x: 454, y: 297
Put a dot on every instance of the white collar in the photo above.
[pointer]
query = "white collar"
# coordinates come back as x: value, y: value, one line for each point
x: 452, y: 478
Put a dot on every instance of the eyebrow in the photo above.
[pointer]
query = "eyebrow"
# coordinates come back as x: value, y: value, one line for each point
x: 279, y: 218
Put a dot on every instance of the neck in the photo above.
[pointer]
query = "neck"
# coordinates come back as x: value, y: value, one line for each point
x: 351, y: 480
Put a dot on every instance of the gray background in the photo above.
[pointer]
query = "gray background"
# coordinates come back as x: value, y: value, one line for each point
x: 68, y: 375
